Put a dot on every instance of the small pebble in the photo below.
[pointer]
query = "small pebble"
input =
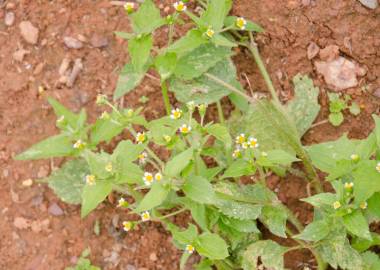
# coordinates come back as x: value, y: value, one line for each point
x: 72, y: 43
x: 98, y: 41
x: 372, y: 4
x: 29, y: 32
x: 9, y: 18
x: 55, y: 210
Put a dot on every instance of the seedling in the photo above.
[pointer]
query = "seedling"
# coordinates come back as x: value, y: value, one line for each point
x: 262, y: 137
x: 339, y: 103
x: 83, y: 262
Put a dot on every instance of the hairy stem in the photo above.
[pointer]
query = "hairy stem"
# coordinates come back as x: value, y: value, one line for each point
x: 220, y: 112
x: 165, y: 96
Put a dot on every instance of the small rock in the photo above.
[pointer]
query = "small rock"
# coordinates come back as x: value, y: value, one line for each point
x: 82, y: 38
x: 98, y: 41
x: 376, y: 93
x: 372, y: 4
x: 329, y: 53
x: 312, y: 50
x: 27, y: 182
x: 21, y: 223
x: 38, y: 69
x: 29, y: 32
x: 9, y: 18
x: 10, y: 6
x: 37, y: 226
x: 153, y: 257
x: 339, y: 74
x: 72, y: 43
x: 55, y: 210
x: 43, y: 171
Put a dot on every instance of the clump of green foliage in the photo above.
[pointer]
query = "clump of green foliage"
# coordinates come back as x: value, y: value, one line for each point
x: 83, y: 262
x: 207, y: 159
x: 339, y: 103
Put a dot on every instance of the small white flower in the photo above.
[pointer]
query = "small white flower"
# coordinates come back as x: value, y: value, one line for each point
x: 61, y: 119
x: 348, y: 185
x: 148, y: 178
x: 378, y: 167
x: 109, y: 167
x: 127, y: 226
x: 122, y: 203
x: 240, y: 139
x: 90, y: 179
x: 176, y: 114
x: 142, y: 157
x: 145, y: 216
x: 236, y: 153
x: 158, y: 177
x: 244, y: 145
x: 241, y: 23
x: 252, y: 142
x: 129, y: 6
x: 179, y: 6
x: 140, y: 137
x: 79, y: 144
x: 336, y: 205
x: 185, y: 129
x: 167, y: 138
x: 363, y: 205
x: 190, y: 249
x: 210, y: 33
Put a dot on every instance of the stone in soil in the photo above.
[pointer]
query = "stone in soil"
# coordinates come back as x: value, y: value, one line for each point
x: 98, y: 41
x: 372, y: 4
x: 9, y: 18
x: 20, y: 54
x: 312, y: 50
x: 329, y: 53
x: 29, y: 32
x: 55, y: 210
x: 72, y: 43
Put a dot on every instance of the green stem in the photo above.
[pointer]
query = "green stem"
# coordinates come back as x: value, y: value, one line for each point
x: 171, y: 33
x: 165, y: 96
x: 220, y: 112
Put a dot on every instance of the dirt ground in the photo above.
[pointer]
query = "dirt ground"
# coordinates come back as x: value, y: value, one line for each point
x: 55, y: 235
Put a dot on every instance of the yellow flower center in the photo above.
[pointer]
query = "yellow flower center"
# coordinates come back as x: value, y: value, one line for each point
x: 210, y: 33
x: 337, y: 205
x: 363, y: 205
x: 241, y: 23
x: 109, y: 167
x: 190, y: 248
x: 90, y: 179
x: 127, y: 226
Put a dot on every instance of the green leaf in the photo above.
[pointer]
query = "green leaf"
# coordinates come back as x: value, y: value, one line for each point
x: 221, y: 133
x: 124, y: 35
x: 366, y: 180
x: 139, y: 51
x: 315, y: 231
x: 245, y: 226
x: 371, y: 261
x: 192, y: 40
x: 230, y: 21
x: 304, y: 107
x: 377, y: 128
x: 215, y: 13
x: 321, y: 199
x: 185, y: 237
x: 128, y: 79
x: 336, y: 118
x: 147, y: 18
x: 198, y: 213
x: 356, y: 224
x: 55, y: 146
x: 270, y: 253
x: 205, y: 264
x: 200, y: 60
x: 166, y: 64
x: 211, y: 246
x: 68, y: 181
x: 239, y: 167
x: 373, y: 206
x: 274, y: 217
x: 281, y: 157
x: 105, y: 129
x: 325, y: 155
x: 239, y: 210
x: 128, y: 151
x: 153, y: 198
x: 199, y: 190
x: 203, y: 89
x: 221, y: 40
x: 93, y: 195
x: 361, y: 244
x: 185, y: 256
x: 354, y: 109
x: 60, y: 110
x: 176, y: 165
x: 97, y: 163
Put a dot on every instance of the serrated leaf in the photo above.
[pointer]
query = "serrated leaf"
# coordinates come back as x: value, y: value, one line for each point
x: 361, y: 244
x: 200, y: 60
x: 147, y: 18
x: 93, y: 195
x: 184, y: 237
x: 245, y: 226
x: 281, y: 157
x: 304, y: 107
x: 211, y: 246
x: 153, y: 198
x: 203, y: 89
x: 371, y: 261
x: 60, y: 110
x: 239, y: 168
x: 166, y: 64
x: 315, y: 231
x: 321, y: 199
x: 68, y: 181
x: 274, y: 217
x: 176, y: 165
x: 192, y: 40
x: 366, y: 180
x: 357, y: 224
x: 270, y: 253
x: 139, y: 51
x: 199, y: 190
x: 55, y: 146
x: 128, y: 79
x: 239, y: 210
x: 221, y: 133
x: 105, y: 129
